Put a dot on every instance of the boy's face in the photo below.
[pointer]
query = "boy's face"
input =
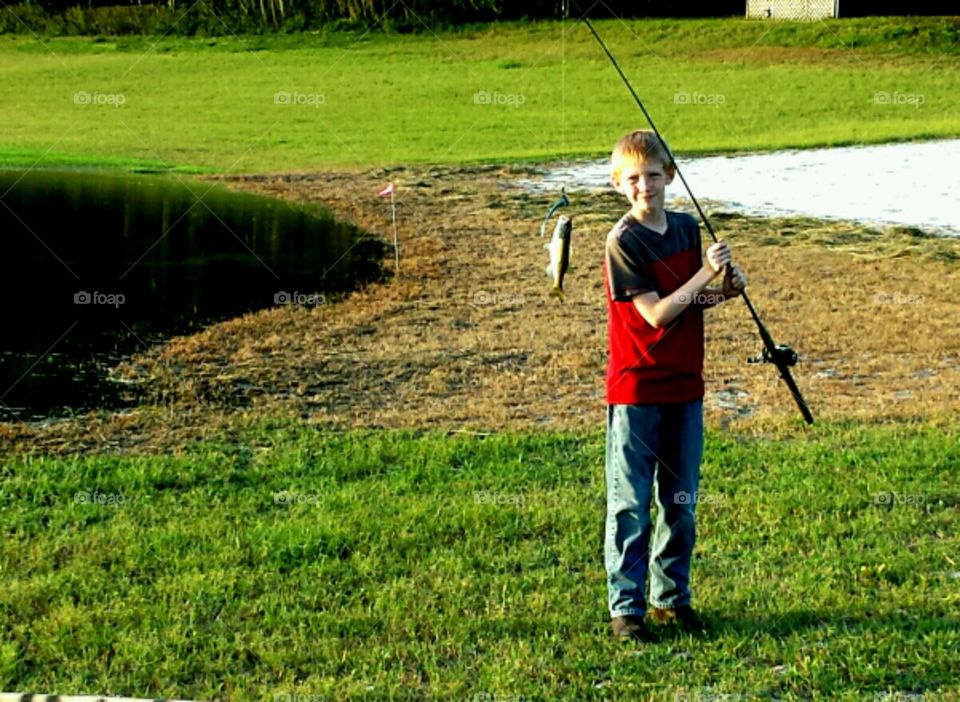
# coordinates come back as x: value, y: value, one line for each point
x: 644, y: 184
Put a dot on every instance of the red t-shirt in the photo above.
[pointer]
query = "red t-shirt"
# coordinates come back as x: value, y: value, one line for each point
x: 647, y: 365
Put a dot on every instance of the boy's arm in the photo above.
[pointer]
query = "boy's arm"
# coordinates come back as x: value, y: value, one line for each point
x: 734, y: 281
x: 660, y: 311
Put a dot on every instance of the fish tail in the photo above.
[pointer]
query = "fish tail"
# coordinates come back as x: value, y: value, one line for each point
x: 557, y: 292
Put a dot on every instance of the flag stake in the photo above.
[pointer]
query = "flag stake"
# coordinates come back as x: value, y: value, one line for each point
x: 396, y: 244
x: 389, y: 190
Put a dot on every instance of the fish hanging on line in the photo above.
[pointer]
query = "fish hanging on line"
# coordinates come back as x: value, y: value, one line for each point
x: 559, y: 249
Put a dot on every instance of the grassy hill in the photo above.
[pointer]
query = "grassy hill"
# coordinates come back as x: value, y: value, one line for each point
x: 543, y: 91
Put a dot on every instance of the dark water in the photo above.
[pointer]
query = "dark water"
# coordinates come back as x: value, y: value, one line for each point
x: 95, y: 266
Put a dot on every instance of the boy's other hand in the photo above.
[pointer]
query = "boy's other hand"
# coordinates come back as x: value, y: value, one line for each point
x: 719, y: 255
x: 734, y: 281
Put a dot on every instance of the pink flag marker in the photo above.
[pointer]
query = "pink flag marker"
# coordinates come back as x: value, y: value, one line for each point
x: 389, y: 190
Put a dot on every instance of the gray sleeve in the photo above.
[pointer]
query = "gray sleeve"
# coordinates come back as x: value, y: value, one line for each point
x: 628, y: 275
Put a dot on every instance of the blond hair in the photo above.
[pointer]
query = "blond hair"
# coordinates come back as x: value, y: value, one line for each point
x: 639, y: 146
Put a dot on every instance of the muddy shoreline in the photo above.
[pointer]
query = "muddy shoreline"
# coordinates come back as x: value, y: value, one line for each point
x: 464, y: 337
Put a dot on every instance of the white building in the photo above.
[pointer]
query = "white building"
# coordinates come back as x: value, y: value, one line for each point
x: 793, y: 9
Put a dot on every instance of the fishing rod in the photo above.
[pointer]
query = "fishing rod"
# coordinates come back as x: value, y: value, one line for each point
x: 778, y: 354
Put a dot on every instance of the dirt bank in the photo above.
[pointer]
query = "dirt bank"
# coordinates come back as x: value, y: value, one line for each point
x: 466, y: 338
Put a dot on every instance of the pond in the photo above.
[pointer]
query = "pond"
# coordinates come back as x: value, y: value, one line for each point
x: 908, y: 184
x: 97, y: 265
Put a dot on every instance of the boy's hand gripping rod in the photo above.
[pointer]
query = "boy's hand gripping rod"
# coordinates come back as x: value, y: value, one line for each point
x: 781, y: 356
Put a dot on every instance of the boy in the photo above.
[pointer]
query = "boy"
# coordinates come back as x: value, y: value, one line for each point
x: 656, y: 285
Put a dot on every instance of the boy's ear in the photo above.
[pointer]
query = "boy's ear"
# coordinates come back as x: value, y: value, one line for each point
x: 615, y: 181
x: 669, y: 172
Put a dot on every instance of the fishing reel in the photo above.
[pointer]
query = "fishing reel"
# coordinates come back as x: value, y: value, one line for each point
x: 782, y: 355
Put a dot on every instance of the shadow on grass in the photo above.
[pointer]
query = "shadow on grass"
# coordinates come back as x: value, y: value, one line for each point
x: 840, y: 636
x: 829, y: 623
x: 807, y: 624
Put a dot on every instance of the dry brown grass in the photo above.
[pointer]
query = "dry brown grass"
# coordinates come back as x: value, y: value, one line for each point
x: 843, y: 58
x: 770, y: 55
x: 466, y: 337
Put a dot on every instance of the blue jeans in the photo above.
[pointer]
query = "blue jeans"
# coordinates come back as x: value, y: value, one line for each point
x: 652, y: 450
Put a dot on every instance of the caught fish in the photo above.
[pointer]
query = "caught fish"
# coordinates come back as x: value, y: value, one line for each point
x: 559, y: 248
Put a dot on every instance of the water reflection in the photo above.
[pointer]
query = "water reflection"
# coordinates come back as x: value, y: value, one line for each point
x: 97, y: 264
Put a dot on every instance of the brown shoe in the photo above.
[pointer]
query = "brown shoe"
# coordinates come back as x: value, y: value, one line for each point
x: 630, y: 628
x: 683, y: 617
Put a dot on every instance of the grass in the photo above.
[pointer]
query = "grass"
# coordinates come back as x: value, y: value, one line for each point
x: 274, y: 560
x: 416, y: 565
x: 208, y: 104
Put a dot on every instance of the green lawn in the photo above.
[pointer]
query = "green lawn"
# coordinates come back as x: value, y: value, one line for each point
x: 424, y: 566
x: 374, y: 99
x: 280, y: 561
